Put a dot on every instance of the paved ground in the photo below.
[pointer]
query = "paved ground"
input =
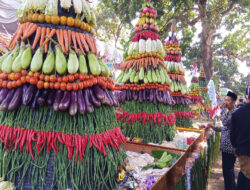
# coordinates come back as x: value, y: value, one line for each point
x: 216, y: 182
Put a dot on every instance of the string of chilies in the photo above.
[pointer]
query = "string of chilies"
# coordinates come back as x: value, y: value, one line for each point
x: 183, y: 114
x: 157, y: 117
x: 14, y: 137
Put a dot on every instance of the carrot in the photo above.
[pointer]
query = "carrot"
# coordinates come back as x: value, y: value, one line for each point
x: 61, y: 40
x: 69, y: 37
x: 51, y: 34
x: 79, y: 42
x: 46, y: 45
x: 43, y: 33
x: 66, y: 40
x: 86, y: 47
x: 74, y: 41
x: 89, y: 42
x: 13, y: 41
x: 94, y: 43
x: 32, y: 29
x: 26, y: 26
x: 156, y: 62
x: 20, y: 32
x: 38, y: 35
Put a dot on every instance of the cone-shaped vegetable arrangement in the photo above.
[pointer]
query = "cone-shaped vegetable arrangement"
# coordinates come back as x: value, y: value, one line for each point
x: 204, y: 93
x: 58, y: 128
x: 145, y: 95
x: 178, y: 86
x: 197, y: 101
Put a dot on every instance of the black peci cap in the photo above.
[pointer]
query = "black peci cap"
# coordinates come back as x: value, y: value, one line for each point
x: 232, y: 95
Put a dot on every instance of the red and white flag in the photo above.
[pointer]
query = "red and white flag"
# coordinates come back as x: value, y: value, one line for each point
x: 215, y: 112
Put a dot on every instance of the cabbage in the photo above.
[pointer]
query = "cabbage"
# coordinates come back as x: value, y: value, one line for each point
x: 148, y: 45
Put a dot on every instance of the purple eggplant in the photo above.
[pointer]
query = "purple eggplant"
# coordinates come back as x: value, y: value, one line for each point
x: 93, y: 99
x: 155, y: 100
x: 114, y: 102
x: 3, y: 94
x: 42, y: 98
x: 57, y: 100
x: 34, y: 102
x: 123, y: 96
x: 73, y: 103
x: 151, y: 95
x: 51, y: 97
x: 16, y: 100
x: 5, y: 103
x: 89, y: 106
x: 158, y: 96
x: 144, y: 95
x: 98, y: 92
x: 129, y: 95
x: 135, y: 95
x: 81, y: 103
x: 65, y: 101
x: 140, y: 96
x: 111, y: 102
x: 147, y: 94
x: 28, y: 94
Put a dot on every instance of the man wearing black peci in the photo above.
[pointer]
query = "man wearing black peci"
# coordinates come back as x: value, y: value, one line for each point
x: 240, y: 138
x: 228, y: 157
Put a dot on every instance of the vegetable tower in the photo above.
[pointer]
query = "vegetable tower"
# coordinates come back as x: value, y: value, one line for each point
x: 58, y: 126
x: 145, y: 97
x: 178, y: 87
x: 204, y: 93
x: 196, y: 97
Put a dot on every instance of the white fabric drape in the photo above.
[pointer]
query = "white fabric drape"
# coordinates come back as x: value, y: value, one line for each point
x: 8, y: 9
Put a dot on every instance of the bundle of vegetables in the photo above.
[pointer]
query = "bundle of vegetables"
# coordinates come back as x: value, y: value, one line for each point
x: 195, y: 90
x: 77, y: 13
x: 180, y: 91
x: 72, y: 140
x: 183, y: 115
x: 144, y: 82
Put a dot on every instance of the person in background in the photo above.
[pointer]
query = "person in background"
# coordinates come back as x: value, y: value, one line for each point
x: 228, y: 157
x: 241, y: 103
x: 240, y: 138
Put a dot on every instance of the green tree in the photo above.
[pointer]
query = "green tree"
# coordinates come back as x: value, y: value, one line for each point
x: 210, y: 14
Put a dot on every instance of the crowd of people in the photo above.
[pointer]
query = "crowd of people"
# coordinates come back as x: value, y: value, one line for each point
x: 235, y: 140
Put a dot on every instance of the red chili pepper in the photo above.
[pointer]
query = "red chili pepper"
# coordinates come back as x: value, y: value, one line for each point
x: 8, y: 131
x: 49, y: 139
x: 84, y: 141
x: 29, y: 143
x: 19, y: 137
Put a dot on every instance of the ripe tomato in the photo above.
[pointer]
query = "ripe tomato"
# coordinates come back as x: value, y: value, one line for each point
x: 71, y: 78
x: 33, y: 80
x: 23, y: 79
x: 30, y: 73
x: 4, y: 84
x: 42, y: 77
x: 24, y: 72
x: 9, y: 85
x: 51, y: 85
x: 81, y: 85
x: 52, y: 78
x: 47, y: 78
x: 63, y: 86
x: 59, y: 79
x: 81, y: 76
x: 37, y: 74
x: 46, y: 85
x: 19, y: 82
x: 40, y: 84
x: 76, y: 75
x: 69, y: 86
x: 57, y: 85
x: 18, y: 76
x: 75, y: 86
x: 65, y: 79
